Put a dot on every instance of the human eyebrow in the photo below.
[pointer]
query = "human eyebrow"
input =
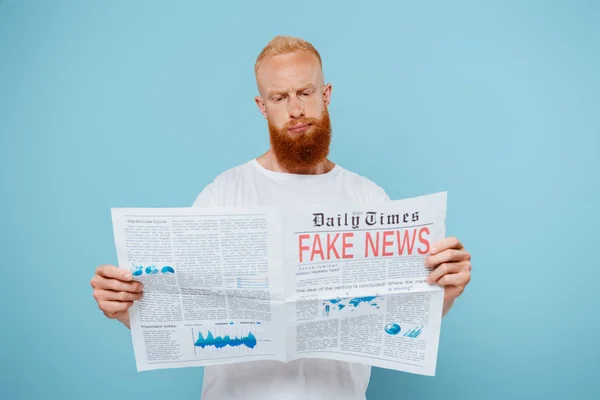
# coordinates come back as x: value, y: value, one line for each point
x: 276, y: 93
x: 307, y: 88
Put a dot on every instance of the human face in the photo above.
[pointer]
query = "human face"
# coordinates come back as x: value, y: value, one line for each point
x: 291, y: 87
x: 295, y: 106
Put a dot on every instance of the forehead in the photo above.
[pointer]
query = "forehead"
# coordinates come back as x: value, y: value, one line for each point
x: 287, y: 71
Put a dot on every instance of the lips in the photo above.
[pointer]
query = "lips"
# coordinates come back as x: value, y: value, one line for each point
x: 299, y: 128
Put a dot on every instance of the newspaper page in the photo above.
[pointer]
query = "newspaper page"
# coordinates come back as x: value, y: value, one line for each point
x: 343, y: 282
x: 213, y: 285
x: 358, y: 289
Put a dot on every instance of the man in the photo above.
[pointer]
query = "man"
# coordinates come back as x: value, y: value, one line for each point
x: 294, y: 99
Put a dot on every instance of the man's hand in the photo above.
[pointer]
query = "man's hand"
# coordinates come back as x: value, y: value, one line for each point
x: 451, y: 268
x: 115, y: 291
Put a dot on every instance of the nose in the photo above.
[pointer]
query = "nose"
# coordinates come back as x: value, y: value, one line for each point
x: 295, y: 108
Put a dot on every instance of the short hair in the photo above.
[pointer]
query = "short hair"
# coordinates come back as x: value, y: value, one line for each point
x: 285, y: 44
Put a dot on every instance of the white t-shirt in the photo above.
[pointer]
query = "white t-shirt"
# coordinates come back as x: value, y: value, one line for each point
x: 250, y: 184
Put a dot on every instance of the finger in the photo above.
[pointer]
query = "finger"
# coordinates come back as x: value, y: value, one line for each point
x: 112, y: 308
x: 110, y: 271
x: 459, y: 280
x: 450, y: 242
x: 116, y: 285
x: 109, y: 295
x: 446, y: 268
x: 447, y: 256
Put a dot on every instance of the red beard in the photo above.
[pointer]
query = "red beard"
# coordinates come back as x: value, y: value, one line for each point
x: 302, y: 150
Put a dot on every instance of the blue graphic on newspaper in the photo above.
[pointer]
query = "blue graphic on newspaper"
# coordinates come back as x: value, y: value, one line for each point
x: 344, y: 307
x: 139, y: 270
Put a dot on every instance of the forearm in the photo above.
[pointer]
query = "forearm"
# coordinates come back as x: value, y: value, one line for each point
x: 448, y: 302
x: 125, y: 320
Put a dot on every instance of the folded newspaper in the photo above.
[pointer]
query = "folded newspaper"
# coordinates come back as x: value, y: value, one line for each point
x: 227, y: 285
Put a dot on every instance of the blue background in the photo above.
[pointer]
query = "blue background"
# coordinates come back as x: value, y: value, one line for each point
x: 118, y: 104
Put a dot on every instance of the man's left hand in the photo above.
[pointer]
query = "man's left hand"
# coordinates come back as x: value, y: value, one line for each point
x: 451, y: 268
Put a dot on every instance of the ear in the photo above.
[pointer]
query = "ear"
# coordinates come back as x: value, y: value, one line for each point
x: 261, y: 106
x: 327, y: 94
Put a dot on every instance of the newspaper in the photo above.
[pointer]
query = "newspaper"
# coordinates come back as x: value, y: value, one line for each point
x: 228, y: 285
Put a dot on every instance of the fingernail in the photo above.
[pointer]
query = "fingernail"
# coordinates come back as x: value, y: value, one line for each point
x: 433, y: 250
x: 128, y: 276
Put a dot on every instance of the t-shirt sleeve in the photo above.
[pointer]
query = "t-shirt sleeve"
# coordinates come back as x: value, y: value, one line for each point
x: 379, y: 195
x: 373, y: 193
x: 368, y: 190
x: 207, y: 197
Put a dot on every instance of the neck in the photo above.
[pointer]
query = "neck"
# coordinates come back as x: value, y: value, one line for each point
x: 269, y: 161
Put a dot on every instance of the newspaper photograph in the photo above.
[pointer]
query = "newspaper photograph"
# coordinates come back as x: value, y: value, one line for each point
x: 344, y: 282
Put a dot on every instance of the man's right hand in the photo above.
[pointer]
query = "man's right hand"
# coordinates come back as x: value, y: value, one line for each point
x: 114, y: 291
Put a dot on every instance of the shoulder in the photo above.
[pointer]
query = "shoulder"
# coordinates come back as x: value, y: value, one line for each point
x: 371, y: 190
x: 212, y: 194
x: 233, y: 174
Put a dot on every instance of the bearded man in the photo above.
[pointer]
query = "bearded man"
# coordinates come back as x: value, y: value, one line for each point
x: 294, y: 99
